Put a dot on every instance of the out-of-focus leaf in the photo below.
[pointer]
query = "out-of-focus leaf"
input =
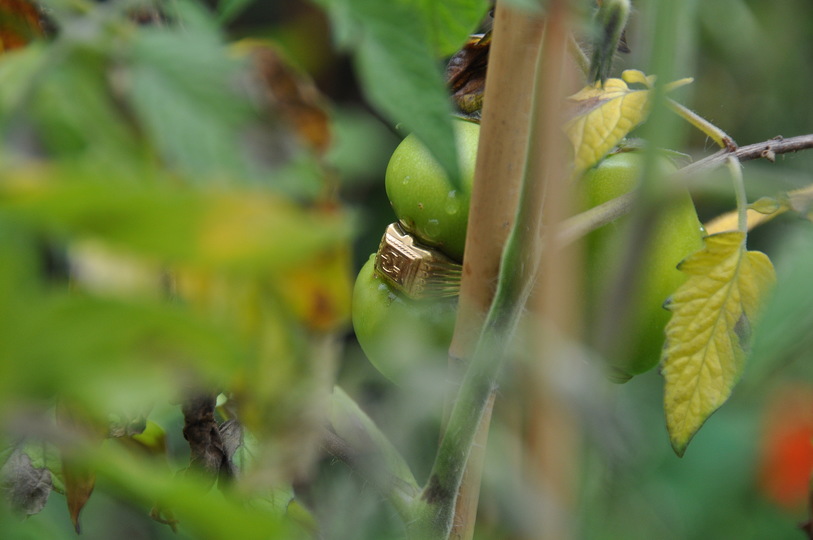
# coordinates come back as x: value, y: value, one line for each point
x: 79, y: 478
x: 786, y: 328
x: 246, y: 231
x: 450, y: 22
x: 20, y: 268
x: 281, y: 390
x: 109, y: 355
x: 75, y: 114
x: 709, y: 334
x: 761, y: 211
x: 153, y: 439
x: 399, y: 70
x: 302, y: 516
x: 181, y: 86
x: 281, y: 387
x: 230, y: 9
x: 361, y: 147
x: 203, y: 513
x: 79, y: 484
x: 359, y: 430
x: 766, y: 209
x: 604, y: 115
x: 127, y: 424
x: 46, y: 456
x: 25, y: 486
x: 16, y: 70
x: 96, y: 268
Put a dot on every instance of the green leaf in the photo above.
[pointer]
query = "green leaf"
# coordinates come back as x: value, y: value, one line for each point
x: 450, y: 22
x: 75, y: 114
x: 182, y: 88
x: 380, y: 457
x: 785, y: 330
x: 399, y: 70
x: 248, y: 231
x: 231, y: 9
x: 205, y: 514
x: 19, y: 271
x: 110, y: 355
x: 17, y: 70
x: 708, y: 337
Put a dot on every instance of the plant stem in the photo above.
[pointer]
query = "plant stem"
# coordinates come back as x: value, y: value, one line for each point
x: 578, y: 55
x: 766, y: 149
x: 504, y: 130
x: 516, y: 279
x: 581, y: 224
x: 717, y: 135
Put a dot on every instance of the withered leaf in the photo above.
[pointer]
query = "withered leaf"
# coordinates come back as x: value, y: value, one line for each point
x: 25, y: 486
x: 19, y: 24
x: 466, y: 74
x: 291, y: 94
x: 79, y: 484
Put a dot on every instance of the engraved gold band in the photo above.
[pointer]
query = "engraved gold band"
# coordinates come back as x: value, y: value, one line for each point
x: 416, y: 270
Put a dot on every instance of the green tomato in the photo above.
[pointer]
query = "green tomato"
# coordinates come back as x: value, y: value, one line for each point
x: 677, y: 234
x: 423, y: 198
x: 400, y: 336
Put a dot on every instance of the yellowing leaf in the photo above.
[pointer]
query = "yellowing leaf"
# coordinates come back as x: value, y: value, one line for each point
x: 708, y: 335
x: 605, y: 115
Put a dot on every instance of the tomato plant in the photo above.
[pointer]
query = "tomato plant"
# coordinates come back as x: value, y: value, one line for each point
x: 182, y: 188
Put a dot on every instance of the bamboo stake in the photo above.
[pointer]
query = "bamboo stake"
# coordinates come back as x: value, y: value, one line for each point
x: 500, y: 165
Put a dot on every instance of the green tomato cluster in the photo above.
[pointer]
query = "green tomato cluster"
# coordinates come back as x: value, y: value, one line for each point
x: 394, y: 331
x: 436, y: 213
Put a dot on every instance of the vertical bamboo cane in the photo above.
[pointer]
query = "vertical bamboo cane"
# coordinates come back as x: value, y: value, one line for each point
x: 550, y: 432
x: 500, y: 165
x: 550, y: 429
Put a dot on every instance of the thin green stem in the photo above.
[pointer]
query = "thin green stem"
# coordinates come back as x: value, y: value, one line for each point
x: 578, y: 55
x: 611, y: 19
x: 717, y: 135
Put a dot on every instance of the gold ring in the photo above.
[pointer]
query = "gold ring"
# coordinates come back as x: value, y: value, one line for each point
x: 416, y: 270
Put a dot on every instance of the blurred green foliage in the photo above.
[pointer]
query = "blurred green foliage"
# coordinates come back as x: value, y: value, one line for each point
x: 151, y: 144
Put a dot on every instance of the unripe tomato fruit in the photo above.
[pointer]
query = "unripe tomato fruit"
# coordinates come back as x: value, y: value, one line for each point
x: 422, y: 196
x: 677, y: 234
x: 400, y: 336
